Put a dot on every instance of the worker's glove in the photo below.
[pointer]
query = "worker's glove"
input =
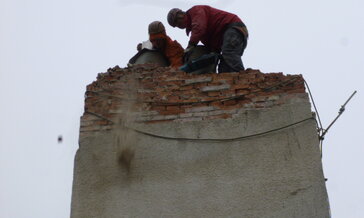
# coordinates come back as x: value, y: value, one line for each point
x: 190, y: 47
x: 139, y: 46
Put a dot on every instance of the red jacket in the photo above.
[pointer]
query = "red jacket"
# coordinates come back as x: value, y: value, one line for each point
x: 208, y: 24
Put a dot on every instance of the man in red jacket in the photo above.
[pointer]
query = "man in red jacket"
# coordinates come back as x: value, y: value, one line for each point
x: 220, y: 31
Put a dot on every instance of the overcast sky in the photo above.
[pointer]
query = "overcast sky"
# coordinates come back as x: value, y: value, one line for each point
x: 50, y: 50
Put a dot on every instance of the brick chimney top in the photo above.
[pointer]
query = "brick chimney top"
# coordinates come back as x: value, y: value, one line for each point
x: 164, y: 94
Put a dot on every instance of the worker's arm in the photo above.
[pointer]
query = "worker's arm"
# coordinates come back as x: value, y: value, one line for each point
x: 198, y: 25
x: 174, y: 53
x: 176, y: 57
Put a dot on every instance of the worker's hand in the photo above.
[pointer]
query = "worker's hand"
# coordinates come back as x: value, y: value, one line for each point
x: 190, y: 47
x: 139, y: 46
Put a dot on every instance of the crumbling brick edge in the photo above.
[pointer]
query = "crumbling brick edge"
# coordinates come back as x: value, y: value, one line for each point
x: 151, y: 94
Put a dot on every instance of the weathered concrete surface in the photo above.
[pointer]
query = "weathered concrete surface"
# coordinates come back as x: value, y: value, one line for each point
x: 276, y: 175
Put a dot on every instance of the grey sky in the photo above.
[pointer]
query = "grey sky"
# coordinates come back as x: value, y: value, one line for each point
x: 50, y: 50
x: 176, y: 3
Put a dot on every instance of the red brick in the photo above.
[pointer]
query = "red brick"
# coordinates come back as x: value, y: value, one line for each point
x: 241, y: 86
x: 190, y: 100
x: 229, y: 102
x: 229, y: 107
x: 250, y: 70
x: 175, y: 82
x: 185, y: 96
x: 171, y: 112
x: 228, y: 75
x: 242, y: 92
x: 242, y: 102
x: 158, y: 108
x: 199, y: 85
x: 228, y: 93
x: 148, y: 85
x: 186, y: 106
x: 192, y: 91
x: 173, y: 98
x: 208, y: 98
x: 217, y: 104
x: 213, y: 94
x: 172, y: 108
x: 247, y: 76
x: 187, y: 87
x: 174, y: 78
x: 296, y: 91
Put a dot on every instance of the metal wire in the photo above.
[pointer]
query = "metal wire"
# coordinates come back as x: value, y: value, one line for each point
x: 322, y: 131
x: 206, y: 139
x: 342, y: 109
x: 314, y: 105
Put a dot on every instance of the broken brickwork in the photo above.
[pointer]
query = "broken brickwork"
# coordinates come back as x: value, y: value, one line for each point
x: 164, y: 94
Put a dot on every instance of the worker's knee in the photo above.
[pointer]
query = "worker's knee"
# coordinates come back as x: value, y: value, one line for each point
x: 230, y: 63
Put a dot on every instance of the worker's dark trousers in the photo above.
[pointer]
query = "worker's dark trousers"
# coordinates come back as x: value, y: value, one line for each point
x: 233, y: 46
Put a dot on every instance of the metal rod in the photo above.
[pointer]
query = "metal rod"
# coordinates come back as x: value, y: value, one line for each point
x: 348, y: 100
x: 342, y: 109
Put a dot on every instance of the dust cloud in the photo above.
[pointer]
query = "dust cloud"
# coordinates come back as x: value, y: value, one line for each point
x: 125, y: 138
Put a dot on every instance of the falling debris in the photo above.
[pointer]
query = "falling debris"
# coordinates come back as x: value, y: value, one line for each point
x: 60, y: 139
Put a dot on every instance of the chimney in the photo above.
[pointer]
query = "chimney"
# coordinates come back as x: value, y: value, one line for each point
x: 157, y: 142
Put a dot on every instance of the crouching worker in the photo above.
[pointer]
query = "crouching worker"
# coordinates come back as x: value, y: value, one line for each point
x: 220, y: 31
x: 159, y: 40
